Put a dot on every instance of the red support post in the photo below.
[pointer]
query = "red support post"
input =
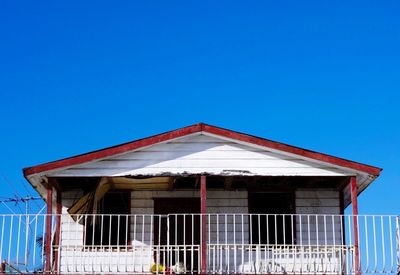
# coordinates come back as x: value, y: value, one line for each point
x: 58, y: 228
x: 203, y: 212
x: 354, y: 204
x: 48, y: 227
x: 3, y: 267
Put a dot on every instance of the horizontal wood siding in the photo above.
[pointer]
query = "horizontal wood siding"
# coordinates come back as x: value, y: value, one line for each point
x: 201, y: 154
x: 318, y: 201
x: 71, y: 232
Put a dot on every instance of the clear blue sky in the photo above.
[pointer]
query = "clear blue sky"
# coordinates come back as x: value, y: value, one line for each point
x: 78, y: 76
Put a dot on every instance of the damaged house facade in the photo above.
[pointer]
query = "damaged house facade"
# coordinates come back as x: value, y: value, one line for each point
x: 202, y: 199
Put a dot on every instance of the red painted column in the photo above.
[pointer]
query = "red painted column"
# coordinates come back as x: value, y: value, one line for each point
x: 354, y: 204
x: 48, y: 227
x: 58, y: 232
x: 203, y: 211
x: 3, y: 267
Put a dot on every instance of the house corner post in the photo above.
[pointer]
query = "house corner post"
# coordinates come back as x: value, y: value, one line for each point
x: 47, y: 241
x: 354, y: 204
x: 203, y: 213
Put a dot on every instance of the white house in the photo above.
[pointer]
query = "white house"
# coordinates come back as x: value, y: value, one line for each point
x: 204, y: 199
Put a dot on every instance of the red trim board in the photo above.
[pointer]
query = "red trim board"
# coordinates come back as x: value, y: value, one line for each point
x: 196, y: 128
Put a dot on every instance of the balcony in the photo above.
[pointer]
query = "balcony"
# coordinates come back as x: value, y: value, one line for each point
x: 195, y: 243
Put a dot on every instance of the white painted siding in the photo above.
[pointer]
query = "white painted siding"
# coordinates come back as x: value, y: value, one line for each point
x: 201, y: 154
x: 318, y: 201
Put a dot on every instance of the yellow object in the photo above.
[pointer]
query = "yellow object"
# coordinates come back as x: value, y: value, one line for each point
x: 157, y: 268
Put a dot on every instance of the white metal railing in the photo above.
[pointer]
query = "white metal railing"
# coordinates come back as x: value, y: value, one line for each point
x: 234, y: 243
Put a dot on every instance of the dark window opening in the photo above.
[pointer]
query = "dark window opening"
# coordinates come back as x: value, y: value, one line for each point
x: 111, y: 225
x: 183, y: 229
x: 271, y: 229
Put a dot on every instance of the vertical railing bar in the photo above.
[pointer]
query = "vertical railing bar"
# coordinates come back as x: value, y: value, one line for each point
x: 10, y: 239
x: 93, y: 260
x: 226, y: 237
x: 251, y: 216
x: 309, y: 243
x: 398, y: 243
x: 159, y: 245
x: 226, y: 244
x: 109, y: 242
x: 18, y: 239
x: 317, y: 237
x: 301, y: 230
x: 67, y: 245
x: 341, y: 234
x: 84, y: 245
x: 366, y: 245
x: 391, y: 243
x: 265, y: 251
x: 213, y: 252
x: 284, y: 229
x: 43, y: 239
x: 34, y: 240
x: 375, y: 250
x: 101, y: 231
x: 358, y: 264
x: 74, y: 265
x: 275, y: 241
x: 326, y: 242
x: 134, y: 243
x: 118, y: 242
x: 352, y: 255
x: 259, y: 229
x: 349, y: 249
x: 93, y: 229
x: 151, y: 245
x: 102, y: 239
x: 168, y: 242
x: 184, y: 240
x: 201, y: 241
x: 2, y: 236
x: 176, y: 240
x: 53, y: 236
x: 209, y: 250
x: 242, y: 258
x: 293, y: 247
x: 383, y: 246
x: 276, y: 230
x: 192, y: 251
x: 234, y: 243
x: 218, y: 244
x: 27, y: 222
x: 142, y: 245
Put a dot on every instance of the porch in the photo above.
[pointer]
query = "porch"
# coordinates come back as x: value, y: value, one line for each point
x: 234, y: 244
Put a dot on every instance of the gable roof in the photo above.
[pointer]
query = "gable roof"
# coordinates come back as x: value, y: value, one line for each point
x: 199, y: 128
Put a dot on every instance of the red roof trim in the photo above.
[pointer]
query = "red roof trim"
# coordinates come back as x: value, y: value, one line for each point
x: 134, y: 145
x: 293, y: 150
x: 110, y: 151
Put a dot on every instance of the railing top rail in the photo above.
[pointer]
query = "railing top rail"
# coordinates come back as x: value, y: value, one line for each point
x: 207, y: 214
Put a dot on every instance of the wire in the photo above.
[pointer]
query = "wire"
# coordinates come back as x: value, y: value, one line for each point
x: 9, y: 208
x: 29, y: 193
x: 12, y: 186
x: 15, y: 190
